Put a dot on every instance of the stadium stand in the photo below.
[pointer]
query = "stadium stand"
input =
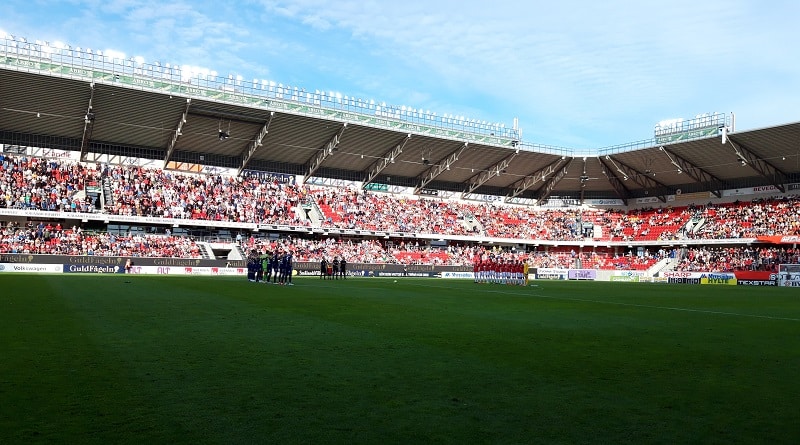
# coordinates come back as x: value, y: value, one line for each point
x: 61, y: 186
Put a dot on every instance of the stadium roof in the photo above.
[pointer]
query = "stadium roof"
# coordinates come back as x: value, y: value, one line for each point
x: 93, y: 110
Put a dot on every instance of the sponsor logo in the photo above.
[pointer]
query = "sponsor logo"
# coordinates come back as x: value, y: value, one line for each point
x: 458, y: 275
x: 764, y: 188
x: 16, y: 267
x: 674, y: 274
x: 582, y: 274
x: 99, y: 260
x: 89, y: 268
x: 683, y: 280
x: 718, y: 278
x: 176, y: 262
x: 756, y: 283
x: 16, y: 258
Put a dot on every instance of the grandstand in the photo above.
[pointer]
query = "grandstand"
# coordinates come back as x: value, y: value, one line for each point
x: 106, y: 157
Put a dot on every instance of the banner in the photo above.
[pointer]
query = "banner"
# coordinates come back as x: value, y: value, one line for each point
x: 723, y: 278
x: 683, y: 280
x: 470, y: 275
x: 281, y: 178
x: 751, y: 191
x: 582, y: 274
x: 681, y: 274
x: 30, y: 268
x: 92, y: 268
x: 786, y: 239
x: 544, y: 273
x: 605, y: 202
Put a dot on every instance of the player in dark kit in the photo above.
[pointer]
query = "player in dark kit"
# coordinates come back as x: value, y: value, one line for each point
x: 289, y: 266
x: 323, y: 268
x: 267, y: 261
x: 284, y: 268
x: 253, y: 266
x: 275, y: 263
x: 343, y: 268
x: 336, y: 267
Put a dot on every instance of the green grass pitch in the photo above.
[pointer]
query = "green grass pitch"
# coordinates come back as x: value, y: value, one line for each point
x: 132, y: 359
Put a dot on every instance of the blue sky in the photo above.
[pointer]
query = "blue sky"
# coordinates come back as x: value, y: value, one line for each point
x: 577, y: 74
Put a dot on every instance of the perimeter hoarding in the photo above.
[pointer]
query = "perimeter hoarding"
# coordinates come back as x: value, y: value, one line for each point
x: 582, y: 274
x: 30, y: 268
x: 719, y: 278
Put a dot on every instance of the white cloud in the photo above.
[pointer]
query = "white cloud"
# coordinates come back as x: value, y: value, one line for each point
x: 575, y: 72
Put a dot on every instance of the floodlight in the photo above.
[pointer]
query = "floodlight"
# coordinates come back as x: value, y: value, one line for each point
x: 223, y: 135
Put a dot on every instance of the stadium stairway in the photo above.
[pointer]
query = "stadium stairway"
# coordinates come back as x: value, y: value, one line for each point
x: 206, y: 250
x: 109, y: 198
x: 665, y: 265
x: 313, y: 212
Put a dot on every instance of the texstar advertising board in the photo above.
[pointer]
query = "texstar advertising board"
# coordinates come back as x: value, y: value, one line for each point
x: 756, y: 278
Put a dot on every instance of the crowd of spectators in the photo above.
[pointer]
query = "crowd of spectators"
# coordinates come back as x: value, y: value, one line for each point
x: 740, y: 258
x: 49, y: 239
x: 345, y: 208
x: 61, y: 185
x: 739, y: 219
x: 42, y: 184
x: 139, y: 191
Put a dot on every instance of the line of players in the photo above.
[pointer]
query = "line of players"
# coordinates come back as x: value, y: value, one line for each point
x: 271, y: 266
x: 499, y: 271
x: 333, y: 270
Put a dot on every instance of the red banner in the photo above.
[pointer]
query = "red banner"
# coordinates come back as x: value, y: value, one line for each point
x: 785, y: 239
x: 754, y: 275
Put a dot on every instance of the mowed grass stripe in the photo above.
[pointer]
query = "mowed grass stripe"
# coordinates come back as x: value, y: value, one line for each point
x: 426, y: 361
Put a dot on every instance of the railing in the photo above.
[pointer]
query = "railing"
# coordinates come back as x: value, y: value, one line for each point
x: 64, y: 60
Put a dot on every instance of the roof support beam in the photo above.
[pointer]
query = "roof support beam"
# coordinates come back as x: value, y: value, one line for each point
x: 257, y: 142
x: 695, y: 172
x: 178, y: 132
x: 777, y: 177
x: 88, y: 125
x: 440, y: 168
x: 484, y: 176
x: 529, y: 181
x: 619, y: 187
x: 326, y: 151
x: 548, y: 187
x: 387, y: 158
x: 643, y: 180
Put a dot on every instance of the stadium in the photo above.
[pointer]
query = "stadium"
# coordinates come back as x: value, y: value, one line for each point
x: 638, y: 323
